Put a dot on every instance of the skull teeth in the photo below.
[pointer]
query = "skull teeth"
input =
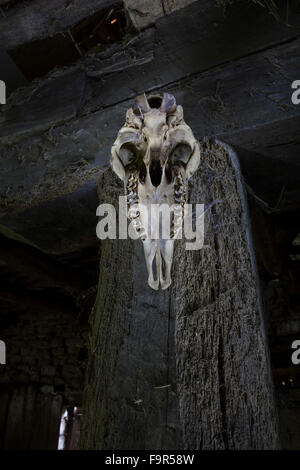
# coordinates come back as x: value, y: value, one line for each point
x: 177, y: 209
x: 132, y: 198
x: 137, y: 224
x: 133, y: 212
x: 179, y: 198
x: 179, y: 190
x: 132, y: 183
x: 178, y: 221
x: 132, y: 201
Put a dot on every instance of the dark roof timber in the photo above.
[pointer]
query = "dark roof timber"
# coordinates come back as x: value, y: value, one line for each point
x: 157, y: 58
x: 232, y: 74
x: 39, y: 19
x: 232, y: 102
x: 246, y: 103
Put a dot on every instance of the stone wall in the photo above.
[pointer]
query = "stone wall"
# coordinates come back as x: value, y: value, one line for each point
x: 45, y: 366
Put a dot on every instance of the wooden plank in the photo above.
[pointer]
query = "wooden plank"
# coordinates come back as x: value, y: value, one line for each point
x: 40, y: 19
x: 246, y: 102
x: 180, y: 51
x: 244, y: 94
x: 144, y: 13
x: 56, y: 101
x: 187, y: 42
x: 64, y: 94
x: 73, y: 216
x: 161, y: 56
x: 234, y: 100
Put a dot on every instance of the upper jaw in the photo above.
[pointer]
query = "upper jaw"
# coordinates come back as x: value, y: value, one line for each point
x: 156, y: 250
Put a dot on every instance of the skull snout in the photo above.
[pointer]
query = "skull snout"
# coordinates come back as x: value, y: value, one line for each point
x: 158, y: 264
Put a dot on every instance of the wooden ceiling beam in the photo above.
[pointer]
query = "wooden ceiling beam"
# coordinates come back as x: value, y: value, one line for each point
x: 40, y: 19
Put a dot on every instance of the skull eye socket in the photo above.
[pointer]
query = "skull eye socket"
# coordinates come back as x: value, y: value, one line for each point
x: 131, y: 158
x: 181, y: 153
x: 128, y: 154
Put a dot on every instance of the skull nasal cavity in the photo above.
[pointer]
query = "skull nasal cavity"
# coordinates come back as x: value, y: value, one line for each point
x: 155, y: 173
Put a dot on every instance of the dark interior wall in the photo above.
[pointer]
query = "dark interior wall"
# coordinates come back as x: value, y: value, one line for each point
x: 278, y: 261
x: 47, y: 348
x: 44, y: 371
x: 10, y: 73
x: 30, y: 417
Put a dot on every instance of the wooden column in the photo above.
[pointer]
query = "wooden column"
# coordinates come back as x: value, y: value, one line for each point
x: 223, y: 372
x: 130, y: 397
x: 187, y: 367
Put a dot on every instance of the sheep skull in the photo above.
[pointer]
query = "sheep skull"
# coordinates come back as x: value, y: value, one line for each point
x: 155, y: 154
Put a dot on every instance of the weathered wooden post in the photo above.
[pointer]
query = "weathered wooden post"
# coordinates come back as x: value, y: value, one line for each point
x: 130, y: 398
x: 186, y: 367
x: 223, y: 372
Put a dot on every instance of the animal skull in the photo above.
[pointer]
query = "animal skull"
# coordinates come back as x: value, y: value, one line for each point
x: 155, y: 154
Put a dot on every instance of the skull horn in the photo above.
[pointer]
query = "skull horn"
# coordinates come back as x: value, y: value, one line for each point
x: 168, y: 104
x: 142, y: 103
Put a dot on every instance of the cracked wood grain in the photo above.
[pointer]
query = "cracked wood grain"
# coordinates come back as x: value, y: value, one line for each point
x: 223, y: 372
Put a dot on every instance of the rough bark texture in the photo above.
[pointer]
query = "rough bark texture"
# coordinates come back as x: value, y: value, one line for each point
x: 130, y: 397
x: 224, y: 383
x: 223, y: 379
